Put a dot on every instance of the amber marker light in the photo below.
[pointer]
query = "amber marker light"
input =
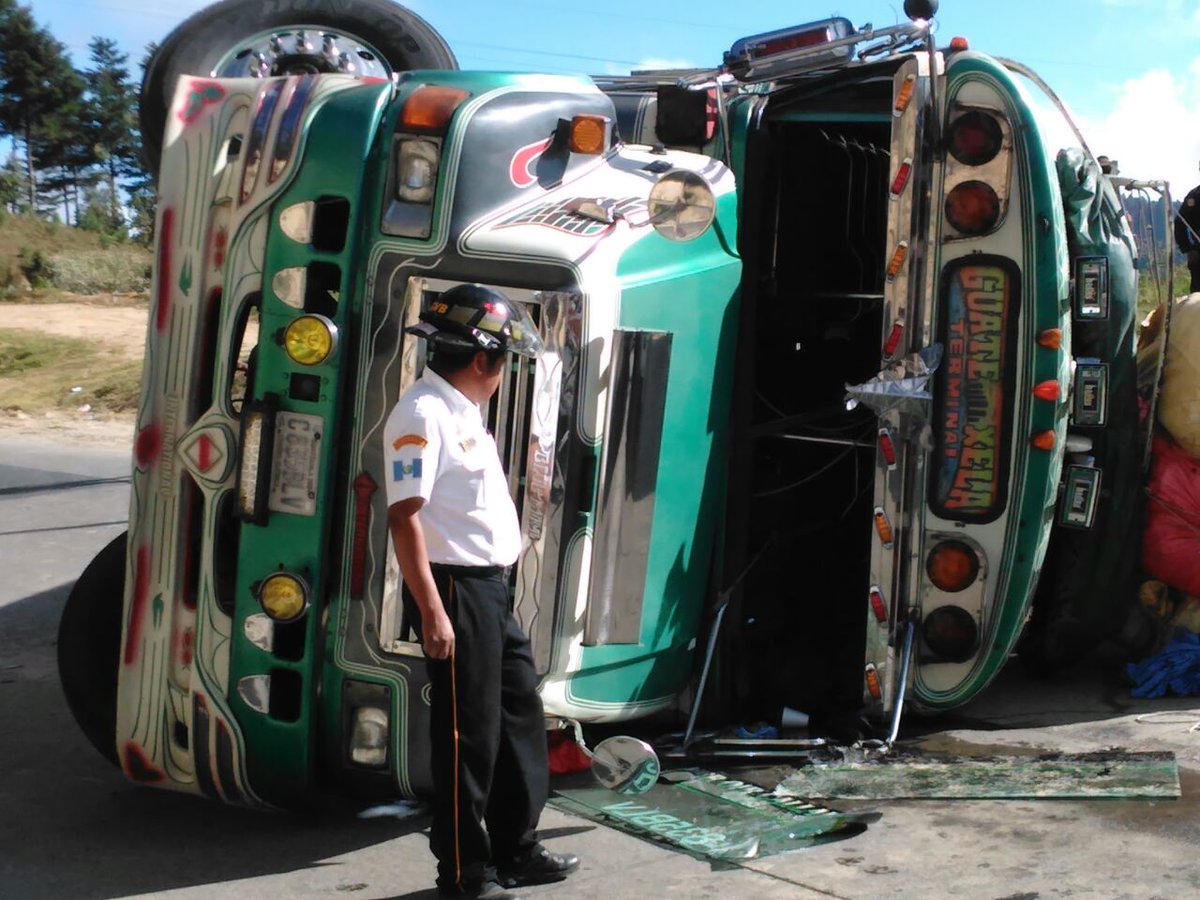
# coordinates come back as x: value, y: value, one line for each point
x: 904, y: 95
x: 430, y: 108
x: 284, y: 597
x: 897, y: 262
x: 1043, y: 440
x: 588, y: 135
x: 1051, y: 338
x: 1048, y: 391
x: 874, y: 687
x: 883, y: 527
x: 959, y: 43
x: 310, y: 339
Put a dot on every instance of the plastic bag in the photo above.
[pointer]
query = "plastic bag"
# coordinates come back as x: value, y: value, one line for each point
x: 1171, y: 539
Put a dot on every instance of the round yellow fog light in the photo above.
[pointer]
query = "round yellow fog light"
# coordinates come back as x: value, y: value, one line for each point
x: 283, y: 597
x: 309, y: 340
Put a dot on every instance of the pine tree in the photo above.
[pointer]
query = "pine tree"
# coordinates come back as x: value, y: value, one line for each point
x: 111, y: 117
x: 36, y: 81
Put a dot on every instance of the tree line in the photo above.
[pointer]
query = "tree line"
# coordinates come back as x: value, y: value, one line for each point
x: 77, y: 152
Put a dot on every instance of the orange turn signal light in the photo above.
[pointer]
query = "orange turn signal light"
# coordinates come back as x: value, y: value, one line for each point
x: 883, y: 527
x: 1043, y: 440
x: 1048, y: 391
x: 588, y: 134
x: 959, y: 43
x: 905, y: 94
x: 430, y: 108
x: 1051, y: 338
x: 874, y: 687
x: 897, y: 262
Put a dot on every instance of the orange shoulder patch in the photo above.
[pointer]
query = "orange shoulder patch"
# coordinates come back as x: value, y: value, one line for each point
x: 409, y: 440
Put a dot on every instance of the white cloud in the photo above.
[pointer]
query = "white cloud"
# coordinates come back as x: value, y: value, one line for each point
x: 1153, y: 127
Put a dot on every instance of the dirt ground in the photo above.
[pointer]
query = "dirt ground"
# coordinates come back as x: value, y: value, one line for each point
x: 122, y: 328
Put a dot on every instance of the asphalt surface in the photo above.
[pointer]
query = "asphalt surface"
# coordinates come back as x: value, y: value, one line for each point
x: 72, y: 827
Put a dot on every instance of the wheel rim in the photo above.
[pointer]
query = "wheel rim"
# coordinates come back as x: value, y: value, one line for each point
x: 302, y: 50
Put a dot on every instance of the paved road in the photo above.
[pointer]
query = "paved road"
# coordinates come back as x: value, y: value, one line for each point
x: 71, y: 827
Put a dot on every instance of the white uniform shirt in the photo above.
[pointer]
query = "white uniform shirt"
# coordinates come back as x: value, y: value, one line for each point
x: 436, y: 447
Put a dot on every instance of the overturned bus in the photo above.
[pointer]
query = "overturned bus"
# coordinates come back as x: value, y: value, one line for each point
x: 809, y: 415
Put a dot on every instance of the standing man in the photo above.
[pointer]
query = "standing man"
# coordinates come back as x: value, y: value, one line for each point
x: 455, y: 531
x: 1187, y: 234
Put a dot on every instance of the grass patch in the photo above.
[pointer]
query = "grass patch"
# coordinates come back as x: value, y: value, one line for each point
x: 38, y: 372
x: 1148, y: 299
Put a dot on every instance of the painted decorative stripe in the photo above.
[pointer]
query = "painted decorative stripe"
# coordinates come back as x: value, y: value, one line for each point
x: 225, y: 768
x: 137, y: 611
x: 200, y: 727
x: 364, y: 488
x: 162, y: 308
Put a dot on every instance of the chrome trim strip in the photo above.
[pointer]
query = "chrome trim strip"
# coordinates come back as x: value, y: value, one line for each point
x: 637, y: 396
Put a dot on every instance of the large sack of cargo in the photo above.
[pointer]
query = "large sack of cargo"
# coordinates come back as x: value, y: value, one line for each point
x: 1179, y: 403
x: 1171, y: 539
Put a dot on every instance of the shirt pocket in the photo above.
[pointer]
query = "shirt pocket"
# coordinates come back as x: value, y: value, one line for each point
x: 474, y: 464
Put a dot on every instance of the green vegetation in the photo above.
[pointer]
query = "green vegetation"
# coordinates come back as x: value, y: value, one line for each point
x: 49, y: 257
x: 1150, y: 289
x: 39, y: 371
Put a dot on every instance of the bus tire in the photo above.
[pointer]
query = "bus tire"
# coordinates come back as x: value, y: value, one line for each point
x: 197, y: 45
x: 89, y: 646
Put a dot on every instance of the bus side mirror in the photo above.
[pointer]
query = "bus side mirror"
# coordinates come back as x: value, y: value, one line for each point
x: 920, y: 9
x: 626, y: 765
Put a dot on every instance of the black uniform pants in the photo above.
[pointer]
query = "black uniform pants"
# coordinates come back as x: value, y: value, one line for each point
x: 490, y: 773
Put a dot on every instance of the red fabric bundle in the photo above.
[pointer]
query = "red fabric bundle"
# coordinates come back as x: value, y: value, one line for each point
x: 566, y: 756
x: 1171, y: 540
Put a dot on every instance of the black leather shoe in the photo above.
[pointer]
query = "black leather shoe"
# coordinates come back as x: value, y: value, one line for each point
x: 486, y: 890
x: 541, y: 867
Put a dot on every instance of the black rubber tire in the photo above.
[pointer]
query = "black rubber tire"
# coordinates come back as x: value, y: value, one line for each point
x: 89, y: 646
x: 405, y: 39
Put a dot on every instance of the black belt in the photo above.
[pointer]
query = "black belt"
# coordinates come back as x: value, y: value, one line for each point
x: 471, y: 571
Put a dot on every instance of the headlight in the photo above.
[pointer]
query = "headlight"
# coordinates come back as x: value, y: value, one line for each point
x: 417, y: 170
x: 283, y: 597
x: 310, y: 340
x: 681, y: 206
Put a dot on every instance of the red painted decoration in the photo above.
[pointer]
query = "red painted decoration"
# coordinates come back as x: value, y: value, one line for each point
x: 138, y: 766
x: 148, y: 445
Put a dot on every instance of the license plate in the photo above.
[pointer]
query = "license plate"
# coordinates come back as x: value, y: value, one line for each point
x: 1091, y: 393
x: 294, y: 471
x: 1091, y: 287
x: 1082, y: 494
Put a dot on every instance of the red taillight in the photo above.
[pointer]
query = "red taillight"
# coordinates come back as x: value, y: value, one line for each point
x: 1043, y: 440
x: 878, y: 606
x: 793, y: 42
x: 973, y: 207
x: 1048, y: 391
x: 901, y: 179
x: 951, y: 633
x: 893, y: 342
x: 887, y: 448
x: 883, y: 528
x: 952, y: 566
x: 975, y: 138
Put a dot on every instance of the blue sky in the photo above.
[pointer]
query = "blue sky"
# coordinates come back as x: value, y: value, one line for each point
x: 1129, y: 69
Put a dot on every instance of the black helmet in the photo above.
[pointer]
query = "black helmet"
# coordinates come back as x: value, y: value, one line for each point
x: 474, y: 317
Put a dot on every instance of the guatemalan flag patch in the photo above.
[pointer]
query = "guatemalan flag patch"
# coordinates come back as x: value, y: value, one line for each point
x: 402, y: 470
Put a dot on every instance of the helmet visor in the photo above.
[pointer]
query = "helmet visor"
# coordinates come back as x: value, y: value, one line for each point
x: 522, y: 335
